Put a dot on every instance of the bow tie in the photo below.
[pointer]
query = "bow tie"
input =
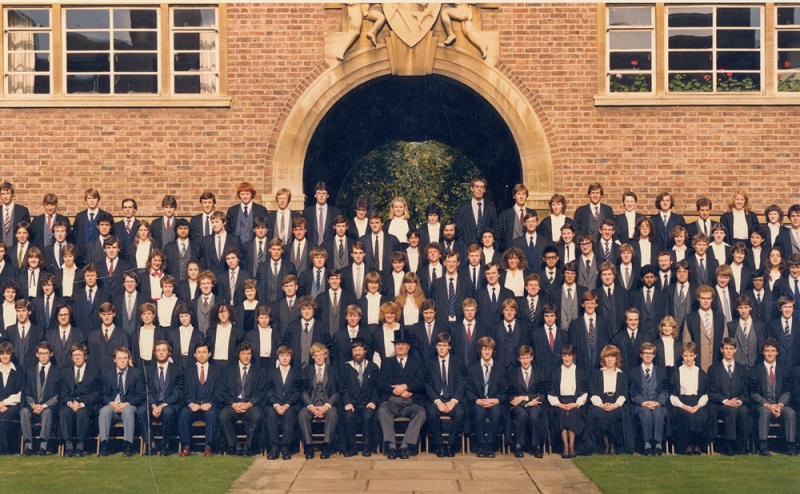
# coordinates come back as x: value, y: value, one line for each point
x: 157, y: 274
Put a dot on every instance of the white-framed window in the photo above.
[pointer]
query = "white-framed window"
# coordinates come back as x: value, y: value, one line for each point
x: 631, y: 49
x: 111, y: 50
x: 714, y: 49
x: 787, y: 27
x: 28, y: 46
x: 194, y: 41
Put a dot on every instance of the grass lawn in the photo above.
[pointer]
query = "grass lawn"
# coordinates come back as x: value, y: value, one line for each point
x: 115, y: 473
x: 682, y: 474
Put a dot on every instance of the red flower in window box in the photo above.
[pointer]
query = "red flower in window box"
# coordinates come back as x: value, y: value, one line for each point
x: 787, y: 64
x: 729, y: 74
x: 634, y: 62
x: 707, y: 77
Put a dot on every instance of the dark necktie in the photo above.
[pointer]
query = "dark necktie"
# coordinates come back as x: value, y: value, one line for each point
x: 647, y: 375
x: 588, y: 266
x: 730, y: 371
x: 607, y: 250
x: 633, y: 338
x: 341, y: 252
x: 41, y: 376
x: 591, y: 332
x: 305, y: 328
x: 480, y: 217
x: 244, y: 381
x: 451, y: 299
x: 121, y: 388
x: 318, y: 281
x: 666, y: 281
x: 260, y: 251
x: 648, y: 299
x: 106, y: 334
x: 64, y: 337
x: 162, y: 383
x: 208, y: 225
x: 475, y: 279
x: 246, y: 212
x: 376, y: 254
x: 494, y: 296
x: 47, y: 311
x: 486, y: 381
x: 682, y: 294
x: 444, y: 376
x: 531, y: 308
x: 596, y: 213
x: 78, y: 376
x: 89, y: 299
x: 758, y: 298
x: 434, y: 275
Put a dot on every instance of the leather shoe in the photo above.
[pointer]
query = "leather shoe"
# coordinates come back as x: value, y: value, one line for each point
x: 28, y: 451
x: 286, y: 455
x: 79, y: 453
x: 186, y: 451
x: 103, y: 449
x: 41, y: 452
x: 165, y: 451
x: 349, y: 453
x: 366, y: 453
x: 207, y: 451
x: 537, y: 452
x: 449, y: 451
x: 309, y: 449
x: 273, y: 454
x: 326, y: 452
x: 488, y: 453
x: 128, y: 451
x: 403, y: 454
x: 764, y: 452
x: 392, y: 454
x: 659, y: 451
x: 481, y: 453
x: 648, y: 451
x: 69, y: 453
x: 440, y: 452
x: 518, y: 452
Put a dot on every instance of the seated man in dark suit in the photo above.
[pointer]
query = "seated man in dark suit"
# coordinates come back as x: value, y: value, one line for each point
x: 528, y: 387
x: 203, y: 397
x: 41, y: 398
x: 164, y: 397
x: 649, y: 389
x: 359, y: 397
x: 445, y: 388
x: 243, y: 394
x: 401, y: 384
x: 80, y: 396
x: 319, y: 400
x: 770, y: 392
x: 282, y: 401
x: 727, y: 392
x: 487, y: 391
x: 123, y: 391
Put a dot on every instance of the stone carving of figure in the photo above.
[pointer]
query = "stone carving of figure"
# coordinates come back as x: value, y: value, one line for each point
x: 462, y: 12
x: 375, y: 14
x: 355, y: 17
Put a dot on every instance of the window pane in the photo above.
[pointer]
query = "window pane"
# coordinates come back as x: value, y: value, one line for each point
x: 691, y: 38
x: 136, y: 62
x: 690, y: 17
x: 135, y: 19
x: 630, y: 16
x: 738, y: 39
x: 691, y: 83
x: 738, y: 82
x: 87, y: 19
x: 28, y: 62
x: 187, y: 41
x: 28, y: 41
x: 629, y: 40
x: 738, y: 60
x: 690, y: 61
x: 25, y: 84
x: 28, y: 18
x: 136, y: 84
x: 630, y: 83
x: 788, y: 39
x: 88, y: 41
x: 788, y: 16
x: 194, y: 18
x: 96, y: 84
x: 187, y: 61
x: 630, y: 61
x: 88, y: 62
x: 742, y: 17
x: 788, y: 60
x: 187, y: 84
x: 136, y: 40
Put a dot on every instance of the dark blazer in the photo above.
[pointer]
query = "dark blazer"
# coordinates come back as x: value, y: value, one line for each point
x: 174, y: 338
x: 280, y: 393
x: 224, y: 286
x: 20, y: 213
x: 348, y: 280
x: 676, y: 352
x: 340, y: 350
x: 197, y: 229
x: 508, y: 344
x: 537, y: 384
x: 426, y: 277
x: 488, y: 316
x: 784, y: 242
x: 613, y: 309
x: 440, y: 293
x: 15, y: 384
x: 474, y: 271
x: 716, y: 303
x: 726, y: 219
x: 353, y: 393
x: 545, y: 228
x: 390, y: 244
x: 112, y: 283
x: 545, y: 359
x: 101, y: 352
x: 172, y: 253
x: 454, y: 245
x: 524, y: 314
x: 237, y: 336
x: 467, y: 229
x: 579, y: 338
x: 621, y: 232
x: 388, y: 286
x: 9, y: 271
x: 630, y: 350
x: 596, y: 386
x: 506, y: 224
x: 636, y: 385
x: 232, y: 216
x: 673, y: 295
x: 663, y: 238
x: 255, y: 389
x: 319, y: 334
x: 325, y: 306
x: 759, y: 382
x: 600, y: 251
x: 694, y: 266
x: 763, y: 310
x: 159, y: 232
x: 581, y: 383
x: 39, y: 237
x: 649, y: 319
x: 283, y: 316
x: 655, y: 248
x: 52, y: 387
x: 498, y: 385
x: 173, y: 391
x: 138, y: 358
x: 249, y: 259
x: 215, y: 380
x: 184, y: 293
x: 726, y: 257
x: 208, y: 253
x: 88, y: 317
x: 329, y: 381
x: 266, y: 282
x: 750, y: 260
x: 125, y: 238
x: 35, y: 334
x: 121, y: 315
x: 419, y: 334
x: 83, y: 231
x: 467, y: 350
x: 311, y: 215
x: 290, y: 255
x: 694, y: 228
x: 584, y: 217
x: 702, y: 384
x: 51, y: 261
x: 363, y: 305
x: 722, y: 387
x: 135, y: 390
x: 789, y: 351
x: 535, y: 256
x: 87, y: 391
x: 307, y: 279
x: 456, y: 383
x: 412, y: 375
x: 61, y: 353
x: 22, y: 278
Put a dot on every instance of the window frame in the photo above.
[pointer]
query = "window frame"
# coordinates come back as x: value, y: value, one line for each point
x: 7, y: 73
x: 651, y: 29
x: 172, y: 51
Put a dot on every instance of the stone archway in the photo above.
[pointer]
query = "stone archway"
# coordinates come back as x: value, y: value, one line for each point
x: 488, y: 82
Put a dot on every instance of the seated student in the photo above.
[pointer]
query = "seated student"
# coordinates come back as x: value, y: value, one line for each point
x: 281, y: 403
x: 103, y: 343
x: 123, y: 391
x: 42, y: 307
x: 224, y: 335
x: 64, y: 336
x: 184, y: 337
x: 332, y: 303
x: 401, y: 387
x: 393, y: 279
x: 486, y: 393
x: 770, y: 391
x: 445, y: 388
x: 127, y: 319
x: 354, y: 329
x: 689, y: 397
x: 165, y: 382
x: 10, y: 397
x: 203, y: 384
x: 359, y: 397
x: 265, y: 339
x: 145, y: 336
x: 509, y: 335
x: 608, y: 389
x: 527, y: 387
x: 243, y: 389
x: 668, y: 345
x: 567, y: 394
x: 728, y: 394
x: 314, y: 280
x: 285, y: 310
x: 246, y: 308
x: 80, y: 396
x: 189, y: 288
x: 648, y: 392
x: 24, y: 335
x: 181, y: 251
x: 748, y: 332
x: 42, y: 391
x: 354, y: 275
x: 679, y: 248
x: 320, y: 399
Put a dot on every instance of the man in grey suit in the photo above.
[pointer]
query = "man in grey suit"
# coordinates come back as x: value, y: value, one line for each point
x: 319, y: 400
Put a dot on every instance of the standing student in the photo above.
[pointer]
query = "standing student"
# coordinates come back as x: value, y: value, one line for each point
x: 550, y: 227
x: 589, y: 217
x: 319, y: 216
x: 181, y: 251
x: 475, y: 215
x: 706, y: 328
x: 64, y: 336
x: 255, y: 251
x: 104, y: 341
x: 338, y: 247
x: 43, y: 225
x: 703, y: 223
x: 359, y: 226
x: 11, y: 213
x: 24, y: 335
x: 184, y: 337
x: 739, y: 221
x: 200, y: 224
x: 511, y: 222
x: 239, y: 219
x: 214, y: 245
x: 625, y: 222
x: 279, y: 221
x: 163, y: 229
x: 271, y: 273
x: 665, y: 220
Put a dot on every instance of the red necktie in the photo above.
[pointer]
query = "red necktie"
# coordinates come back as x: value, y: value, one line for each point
x: 169, y: 224
x: 469, y: 333
x: 202, y: 375
x: 552, y: 339
x: 772, y: 375
x: 111, y: 267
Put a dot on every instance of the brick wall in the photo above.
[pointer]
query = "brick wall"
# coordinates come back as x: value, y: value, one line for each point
x: 273, y: 49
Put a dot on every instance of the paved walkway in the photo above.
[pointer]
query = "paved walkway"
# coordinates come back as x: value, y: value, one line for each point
x: 420, y: 474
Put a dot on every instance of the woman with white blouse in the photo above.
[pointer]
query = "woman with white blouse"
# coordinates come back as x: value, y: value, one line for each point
x: 668, y: 345
x: 775, y: 268
x: 410, y: 299
x: 739, y: 220
x: 399, y: 225
x: 412, y: 251
x: 67, y: 276
x: 567, y: 395
x: 143, y: 243
x: 643, y: 242
x: 514, y: 267
x: 550, y: 227
x: 608, y: 388
x: 689, y: 399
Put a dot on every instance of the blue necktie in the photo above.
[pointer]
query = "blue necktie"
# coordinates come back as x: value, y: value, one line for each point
x: 162, y: 384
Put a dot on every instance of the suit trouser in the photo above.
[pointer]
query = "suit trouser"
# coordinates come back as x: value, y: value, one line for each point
x: 736, y: 422
x: 251, y: 419
x: 107, y: 417
x: 305, y: 417
x: 401, y: 407
x: 652, y: 424
x: 82, y: 420
x: 289, y: 419
x: 787, y: 417
x: 26, y: 416
x: 187, y: 416
x: 489, y: 428
x: 169, y: 422
x: 457, y: 416
x: 367, y: 416
x: 522, y: 417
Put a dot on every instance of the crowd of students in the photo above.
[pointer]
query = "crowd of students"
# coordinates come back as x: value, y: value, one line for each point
x: 602, y: 332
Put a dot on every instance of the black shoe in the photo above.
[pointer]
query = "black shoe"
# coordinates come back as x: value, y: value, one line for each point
x: 792, y: 450
x: 366, y: 453
x: 392, y: 454
x: 480, y: 453
x: 518, y: 452
x: 659, y: 451
x: 764, y: 452
x: 326, y: 452
x: 537, y: 452
x: 649, y: 452
x: 79, y: 453
x: 403, y: 454
x: 69, y: 452
x: 286, y: 455
x: 450, y: 451
x: 128, y: 451
x: 41, y: 452
x: 103, y: 449
x: 440, y: 452
x: 350, y: 452
x: 273, y: 454
x: 488, y: 453
x: 165, y: 450
x: 28, y: 452
x: 309, y: 450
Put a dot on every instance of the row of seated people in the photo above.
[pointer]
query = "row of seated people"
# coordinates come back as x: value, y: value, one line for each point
x: 504, y: 347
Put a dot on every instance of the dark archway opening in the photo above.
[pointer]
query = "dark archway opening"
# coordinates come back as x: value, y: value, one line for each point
x: 413, y: 109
